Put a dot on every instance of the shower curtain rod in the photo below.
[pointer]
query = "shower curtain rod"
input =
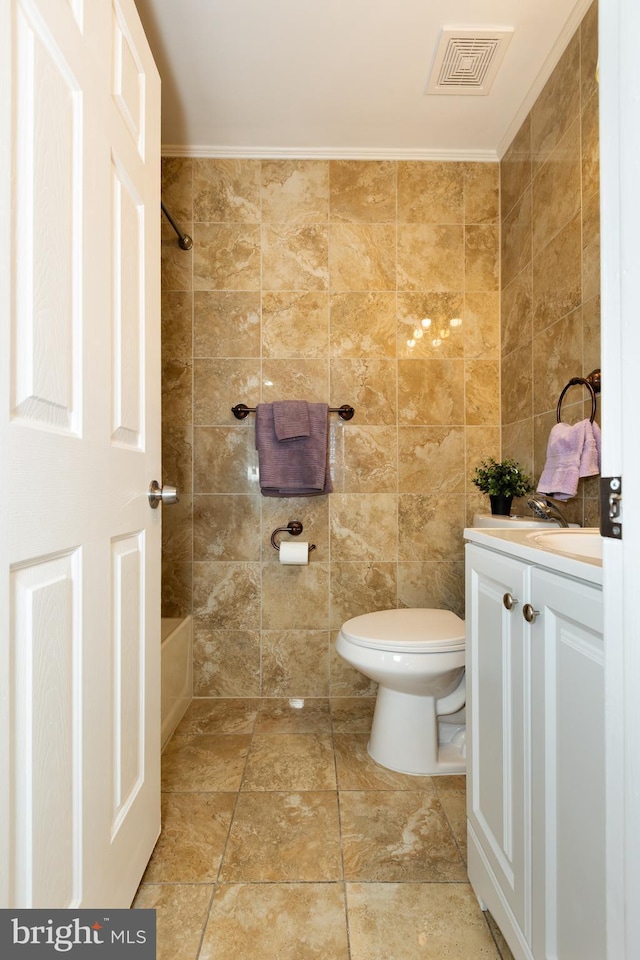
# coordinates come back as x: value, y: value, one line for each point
x: 184, y: 240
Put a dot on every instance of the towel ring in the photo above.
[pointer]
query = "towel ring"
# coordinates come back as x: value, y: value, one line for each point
x: 592, y: 383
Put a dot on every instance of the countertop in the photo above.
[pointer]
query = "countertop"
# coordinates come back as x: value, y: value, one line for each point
x: 520, y: 544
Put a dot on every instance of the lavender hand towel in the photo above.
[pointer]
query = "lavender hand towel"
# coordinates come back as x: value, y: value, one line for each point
x: 561, y: 472
x: 291, y: 419
x: 293, y: 468
x: 590, y: 459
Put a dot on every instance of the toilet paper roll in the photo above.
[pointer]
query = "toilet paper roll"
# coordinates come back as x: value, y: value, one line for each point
x: 294, y: 552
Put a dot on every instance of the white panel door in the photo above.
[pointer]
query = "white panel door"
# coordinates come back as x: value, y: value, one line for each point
x: 80, y: 442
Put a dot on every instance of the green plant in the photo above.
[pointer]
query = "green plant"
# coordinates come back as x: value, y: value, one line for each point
x: 506, y: 478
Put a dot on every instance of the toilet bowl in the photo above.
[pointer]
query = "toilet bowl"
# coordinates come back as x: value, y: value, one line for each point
x: 417, y: 657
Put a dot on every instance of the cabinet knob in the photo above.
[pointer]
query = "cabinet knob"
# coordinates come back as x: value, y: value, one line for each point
x: 509, y: 602
x: 529, y: 613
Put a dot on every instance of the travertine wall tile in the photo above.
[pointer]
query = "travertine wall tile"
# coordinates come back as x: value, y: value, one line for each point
x: 295, y: 256
x: 295, y: 191
x: 176, y: 265
x: 482, y: 403
x: 215, y: 380
x: 557, y: 276
x: 430, y: 391
x: 226, y: 191
x: 481, y: 325
x: 226, y: 324
x: 226, y: 527
x: 309, y: 280
x: 177, y: 324
x: 481, y: 192
x: 431, y: 459
x: 177, y: 188
x: 551, y: 306
x: 517, y: 385
x: 360, y: 587
x: 362, y: 256
x: 557, y: 106
x: 295, y: 324
x: 517, y: 311
x: 226, y: 256
x: 431, y: 192
x: 557, y: 189
x: 589, y: 54
x: 430, y: 257
x: 425, y: 327
x: 363, y: 191
x: 362, y: 325
x: 516, y: 238
x: 515, y: 169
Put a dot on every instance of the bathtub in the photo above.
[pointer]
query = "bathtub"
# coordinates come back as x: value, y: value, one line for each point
x: 176, y: 673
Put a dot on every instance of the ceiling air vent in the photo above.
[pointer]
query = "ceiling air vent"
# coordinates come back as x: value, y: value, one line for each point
x: 467, y: 60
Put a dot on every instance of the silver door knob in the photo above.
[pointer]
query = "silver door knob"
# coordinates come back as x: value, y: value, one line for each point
x: 158, y: 494
x: 509, y: 602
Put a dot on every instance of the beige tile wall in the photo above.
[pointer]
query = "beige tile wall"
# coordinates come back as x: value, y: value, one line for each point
x: 306, y: 280
x: 550, y: 260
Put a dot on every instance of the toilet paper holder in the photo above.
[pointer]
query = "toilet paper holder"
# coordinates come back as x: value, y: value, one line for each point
x: 294, y: 527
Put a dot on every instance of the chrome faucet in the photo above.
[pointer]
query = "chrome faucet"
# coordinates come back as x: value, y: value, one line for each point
x: 547, y: 509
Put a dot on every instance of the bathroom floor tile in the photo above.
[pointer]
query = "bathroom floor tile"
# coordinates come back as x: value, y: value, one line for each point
x: 446, y: 786
x: 397, y: 835
x: 290, y: 761
x: 357, y: 771
x: 194, y: 833
x: 277, y: 922
x: 181, y: 914
x: 503, y: 947
x: 284, y: 716
x: 208, y: 715
x: 352, y: 714
x: 284, y: 836
x: 204, y: 762
x: 417, y: 921
x: 455, y: 810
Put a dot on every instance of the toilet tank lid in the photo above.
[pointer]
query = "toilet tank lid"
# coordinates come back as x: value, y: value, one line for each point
x: 411, y: 627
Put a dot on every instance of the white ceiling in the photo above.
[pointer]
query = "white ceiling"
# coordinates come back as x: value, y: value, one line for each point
x: 342, y: 78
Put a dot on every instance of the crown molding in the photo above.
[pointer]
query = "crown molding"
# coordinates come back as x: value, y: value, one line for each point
x: 326, y: 153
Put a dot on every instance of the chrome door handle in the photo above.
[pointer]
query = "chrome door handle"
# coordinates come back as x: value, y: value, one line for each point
x: 509, y: 602
x: 164, y: 494
x: 529, y: 613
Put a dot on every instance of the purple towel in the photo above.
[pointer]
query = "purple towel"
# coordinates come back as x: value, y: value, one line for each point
x: 590, y: 459
x: 572, y: 452
x: 291, y: 419
x: 293, y: 468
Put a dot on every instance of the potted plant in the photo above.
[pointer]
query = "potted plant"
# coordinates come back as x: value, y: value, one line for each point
x: 503, y: 481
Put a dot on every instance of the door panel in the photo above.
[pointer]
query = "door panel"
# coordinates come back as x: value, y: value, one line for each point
x: 80, y: 436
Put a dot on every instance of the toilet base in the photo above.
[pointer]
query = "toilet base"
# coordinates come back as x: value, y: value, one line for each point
x: 405, y: 734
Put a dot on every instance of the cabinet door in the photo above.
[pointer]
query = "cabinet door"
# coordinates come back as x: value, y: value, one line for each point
x: 497, y: 711
x: 568, y: 825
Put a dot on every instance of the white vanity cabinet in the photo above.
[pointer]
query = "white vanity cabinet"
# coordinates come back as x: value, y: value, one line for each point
x: 535, y: 768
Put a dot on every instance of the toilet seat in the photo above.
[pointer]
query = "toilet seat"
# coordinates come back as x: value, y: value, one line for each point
x: 412, y: 630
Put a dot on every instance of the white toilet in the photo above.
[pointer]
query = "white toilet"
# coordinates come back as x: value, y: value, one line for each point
x: 417, y: 656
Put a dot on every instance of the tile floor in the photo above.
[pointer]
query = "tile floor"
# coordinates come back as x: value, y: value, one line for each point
x: 283, y: 840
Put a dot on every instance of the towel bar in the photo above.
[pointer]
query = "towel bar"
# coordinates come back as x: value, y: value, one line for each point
x: 591, y: 382
x: 241, y: 411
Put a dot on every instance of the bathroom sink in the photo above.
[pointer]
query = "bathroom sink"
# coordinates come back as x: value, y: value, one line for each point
x: 580, y: 543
